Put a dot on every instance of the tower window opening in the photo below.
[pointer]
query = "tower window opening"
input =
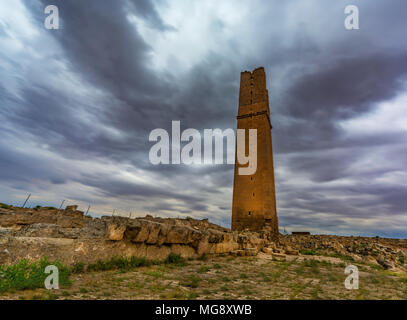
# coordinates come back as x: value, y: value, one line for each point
x: 250, y: 213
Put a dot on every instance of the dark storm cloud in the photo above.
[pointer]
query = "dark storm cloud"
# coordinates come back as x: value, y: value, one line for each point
x: 113, y: 187
x: 338, y: 91
x: 347, y: 87
x: 24, y: 171
x: 316, y: 79
x: 107, y: 50
x: 147, y: 10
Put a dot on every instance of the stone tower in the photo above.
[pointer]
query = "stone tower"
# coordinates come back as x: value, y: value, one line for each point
x: 254, y: 198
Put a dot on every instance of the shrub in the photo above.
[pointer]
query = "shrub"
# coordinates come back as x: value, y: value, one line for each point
x: 78, y: 267
x: 203, y: 257
x: 50, y: 208
x: 311, y: 263
x: 5, y: 206
x: 192, y: 282
x: 311, y: 252
x: 174, y: 258
x: 26, y: 275
x: 204, y: 269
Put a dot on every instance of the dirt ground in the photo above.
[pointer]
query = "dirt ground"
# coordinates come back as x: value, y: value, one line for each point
x: 260, y: 277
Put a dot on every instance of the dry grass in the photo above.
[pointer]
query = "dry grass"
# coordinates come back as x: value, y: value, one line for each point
x: 229, y: 278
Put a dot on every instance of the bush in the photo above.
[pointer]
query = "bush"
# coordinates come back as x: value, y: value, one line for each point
x: 310, y: 252
x: 174, y: 258
x: 5, y: 206
x: 26, y: 275
x: 36, y: 208
x: 50, y: 208
x: 78, y: 267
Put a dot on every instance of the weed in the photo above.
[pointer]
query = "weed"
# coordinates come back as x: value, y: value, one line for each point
x: 203, y: 257
x: 78, y: 267
x: 123, y: 264
x: 174, y: 258
x: 192, y: 282
x: 309, y: 252
x: 203, y: 269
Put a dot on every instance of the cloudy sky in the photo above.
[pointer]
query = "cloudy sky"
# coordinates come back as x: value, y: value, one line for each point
x: 77, y: 105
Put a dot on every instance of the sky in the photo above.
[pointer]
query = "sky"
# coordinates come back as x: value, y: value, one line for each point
x: 77, y: 105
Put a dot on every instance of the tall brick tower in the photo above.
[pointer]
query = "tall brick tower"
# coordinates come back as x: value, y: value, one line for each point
x: 254, y: 198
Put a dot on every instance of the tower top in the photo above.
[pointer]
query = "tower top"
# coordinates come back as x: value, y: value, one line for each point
x: 253, y: 87
x: 259, y: 69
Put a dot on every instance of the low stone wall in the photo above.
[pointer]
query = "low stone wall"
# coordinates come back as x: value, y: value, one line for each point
x: 69, y: 236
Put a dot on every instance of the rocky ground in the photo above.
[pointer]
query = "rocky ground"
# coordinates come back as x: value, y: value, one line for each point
x: 232, y: 277
x: 239, y: 264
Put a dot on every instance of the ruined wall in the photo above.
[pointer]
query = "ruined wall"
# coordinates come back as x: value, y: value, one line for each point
x: 254, y: 201
x: 69, y: 236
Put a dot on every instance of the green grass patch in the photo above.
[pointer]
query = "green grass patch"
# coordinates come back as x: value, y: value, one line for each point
x: 203, y: 269
x: 313, y: 264
x: 30, y: 275
x: 125, y: 264
x: 191, y: 281
x: 121, y: 263
x: 309, y: 252
x: 224, y: 288
x: 154, y: 273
